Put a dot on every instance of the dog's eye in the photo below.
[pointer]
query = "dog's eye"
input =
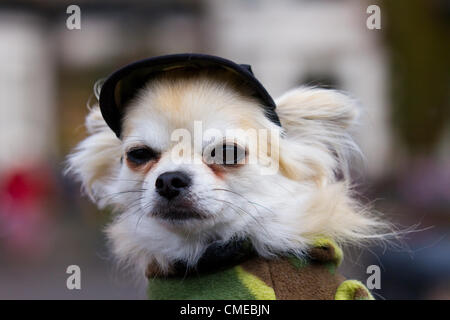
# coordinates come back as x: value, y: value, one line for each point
x: 228, y: 154
x: 141, y: 155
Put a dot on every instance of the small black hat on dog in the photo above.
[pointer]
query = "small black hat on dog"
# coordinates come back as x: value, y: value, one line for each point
x: 122, y: 85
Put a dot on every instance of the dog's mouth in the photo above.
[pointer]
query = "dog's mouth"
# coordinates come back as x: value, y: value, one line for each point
x: 177, y: 212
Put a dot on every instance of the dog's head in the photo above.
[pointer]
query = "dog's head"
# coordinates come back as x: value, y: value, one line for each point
x: 199, y: 161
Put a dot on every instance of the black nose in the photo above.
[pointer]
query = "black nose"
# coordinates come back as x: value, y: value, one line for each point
x: 170, y: 184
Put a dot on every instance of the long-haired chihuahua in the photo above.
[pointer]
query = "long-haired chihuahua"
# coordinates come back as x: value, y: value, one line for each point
x: 191, y: 151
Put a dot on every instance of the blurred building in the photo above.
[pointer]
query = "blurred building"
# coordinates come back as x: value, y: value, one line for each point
x: 27, y: 90
x: 28, y: 134
x: 289, y: 43
x: 292, y: 43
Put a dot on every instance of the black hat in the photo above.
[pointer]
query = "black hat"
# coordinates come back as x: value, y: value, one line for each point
x: 121, y: 86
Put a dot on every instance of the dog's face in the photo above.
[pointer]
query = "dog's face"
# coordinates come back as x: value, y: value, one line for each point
x: 187, y: 149
x: 198, y: 161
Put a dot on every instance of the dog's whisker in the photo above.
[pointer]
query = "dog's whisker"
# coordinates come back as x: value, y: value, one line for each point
x: 235, y: 193
x: 240, y: 195
x: 242, y: 211
x: 125, y: 191
x: 139, y: 219
x: 112, y: 196
x: 127, y: 213
x: 125, y: 180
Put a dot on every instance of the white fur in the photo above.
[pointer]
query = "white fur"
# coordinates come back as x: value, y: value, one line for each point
x: 280, y: 212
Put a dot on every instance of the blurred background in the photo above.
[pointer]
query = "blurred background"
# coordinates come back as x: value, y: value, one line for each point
x: 400, y: 73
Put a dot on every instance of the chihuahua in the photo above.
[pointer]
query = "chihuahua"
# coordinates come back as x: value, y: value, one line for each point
x: 198, y: 161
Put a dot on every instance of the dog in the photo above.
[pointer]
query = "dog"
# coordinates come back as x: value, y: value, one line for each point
x: 286, y: 189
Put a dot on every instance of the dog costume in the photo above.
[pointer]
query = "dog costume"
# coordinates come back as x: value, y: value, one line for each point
x: 233, y: 270
x: 249, y: 277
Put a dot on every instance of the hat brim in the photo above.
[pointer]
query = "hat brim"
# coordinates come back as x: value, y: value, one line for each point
x: 122, y: 85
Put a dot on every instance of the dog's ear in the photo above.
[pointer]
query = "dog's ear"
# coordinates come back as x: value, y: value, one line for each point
x: 301, y: 108
x: 95, y: 160
x: 320, y: 119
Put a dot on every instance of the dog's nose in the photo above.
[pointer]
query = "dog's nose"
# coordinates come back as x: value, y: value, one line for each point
x: 170, y: 184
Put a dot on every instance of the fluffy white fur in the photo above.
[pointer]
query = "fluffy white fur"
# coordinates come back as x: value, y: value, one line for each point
x: 280, y: 212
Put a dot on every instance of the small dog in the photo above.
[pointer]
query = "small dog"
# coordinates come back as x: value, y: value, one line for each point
x: 172, y: 205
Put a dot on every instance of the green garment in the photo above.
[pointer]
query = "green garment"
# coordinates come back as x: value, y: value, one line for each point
x: 289, y: 277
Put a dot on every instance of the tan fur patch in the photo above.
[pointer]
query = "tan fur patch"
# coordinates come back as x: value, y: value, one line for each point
x: 144, y: 168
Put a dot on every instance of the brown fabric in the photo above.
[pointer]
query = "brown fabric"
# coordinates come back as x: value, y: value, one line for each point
x: 360, y: 294
x: 322, y: 254
x: 312, y: 281
x: 260, y: 268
